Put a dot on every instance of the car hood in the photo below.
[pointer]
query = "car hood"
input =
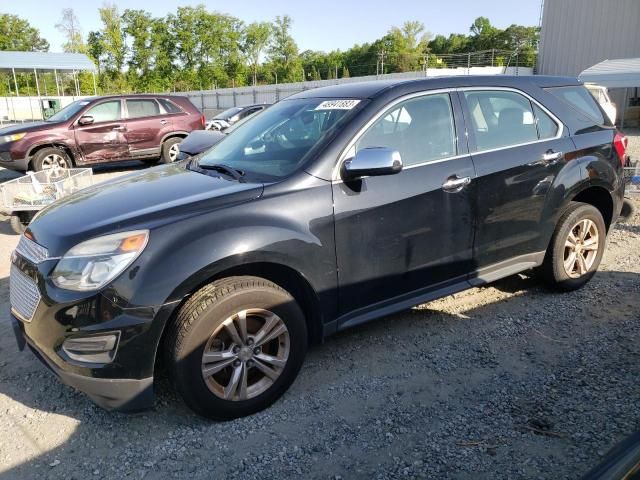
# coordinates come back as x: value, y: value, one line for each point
x: 200, y: 140
x: 147, y: 199
x: 26, y: 127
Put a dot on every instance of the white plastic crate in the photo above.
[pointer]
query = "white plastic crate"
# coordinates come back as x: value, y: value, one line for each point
x: 37, y: 190
x: 632, y: 180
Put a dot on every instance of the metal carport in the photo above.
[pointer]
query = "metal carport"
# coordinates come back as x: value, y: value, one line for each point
x: 12, y: 62
x: 620, y: 73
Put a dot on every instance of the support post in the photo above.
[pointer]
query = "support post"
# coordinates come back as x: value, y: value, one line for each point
x: 15, y: 81
x: 624, y: 107
x: 55, y: 74
x: 35, y: 74
x: 95, y: 89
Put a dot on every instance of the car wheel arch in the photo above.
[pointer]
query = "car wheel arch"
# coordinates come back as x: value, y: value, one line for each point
x: 285, y: 276
x: 35, y: 149
x: 599, y: 197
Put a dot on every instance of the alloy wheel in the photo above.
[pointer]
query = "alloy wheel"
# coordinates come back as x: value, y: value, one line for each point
x: 581, y: 248
x: 174, y: 150
x: 54, y: 160
x: 245, y: 355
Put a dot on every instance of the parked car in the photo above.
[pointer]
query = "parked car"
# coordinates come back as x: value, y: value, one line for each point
x: 334, y: 207
x: 100, y: 130
x: 601, y: 94
x: 227, y: 118
x: 200, y: 141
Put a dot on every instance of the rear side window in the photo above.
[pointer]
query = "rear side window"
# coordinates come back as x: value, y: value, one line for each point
x: 501, y: 118
x: 547, y: 127
x: 579, y: 98
x: 142, y: 108
x: 169, y: 106
x: 421, y: 129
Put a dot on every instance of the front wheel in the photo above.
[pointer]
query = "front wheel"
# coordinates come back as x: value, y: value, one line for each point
x: 576, y: 248
x: 236, y: 346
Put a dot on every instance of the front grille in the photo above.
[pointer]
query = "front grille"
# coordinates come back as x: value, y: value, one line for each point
x: 31, y: 250
x: 24, y: 295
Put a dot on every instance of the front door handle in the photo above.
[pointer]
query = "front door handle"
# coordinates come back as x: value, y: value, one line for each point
x: 455, y: 183
x: 119, y: 128
x: 163, y: 122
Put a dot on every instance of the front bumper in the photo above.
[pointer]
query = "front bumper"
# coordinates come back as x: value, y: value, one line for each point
x: 7, y: 161
x: 121, y: 394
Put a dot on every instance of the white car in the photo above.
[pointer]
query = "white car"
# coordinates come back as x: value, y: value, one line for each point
x: 601, y: 94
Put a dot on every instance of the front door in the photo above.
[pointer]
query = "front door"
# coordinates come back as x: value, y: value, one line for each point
x: 518, y: 151
x: 104, y: 139
x: 404, y: 234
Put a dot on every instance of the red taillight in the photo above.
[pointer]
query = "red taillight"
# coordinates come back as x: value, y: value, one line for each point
x: 203, y: 122
x: 620, y: 143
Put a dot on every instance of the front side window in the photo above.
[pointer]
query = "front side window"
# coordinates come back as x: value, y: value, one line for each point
x: 69, y: 111
x: 501, y: 118
x: 280, y: 140
x: 142, y: 108
x: 106, y: 111
x: 421, y: 129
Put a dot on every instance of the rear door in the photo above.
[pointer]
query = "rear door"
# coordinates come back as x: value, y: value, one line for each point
x: 409, y: 233
x: 518, y: 149
x: 104, y: 139
x: 146, y: 126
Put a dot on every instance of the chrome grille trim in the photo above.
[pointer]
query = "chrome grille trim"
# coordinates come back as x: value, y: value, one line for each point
x: 31, y: 250
x: 24, y: 295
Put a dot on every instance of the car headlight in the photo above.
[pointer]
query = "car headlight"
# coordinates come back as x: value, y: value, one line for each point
x: 92, y: 264
x: 14, y: 137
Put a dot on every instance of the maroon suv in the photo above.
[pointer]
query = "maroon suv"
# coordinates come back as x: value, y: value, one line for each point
x: 102, y: 129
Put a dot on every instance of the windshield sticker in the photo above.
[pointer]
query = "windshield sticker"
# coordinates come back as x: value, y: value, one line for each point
x: 337, y: 105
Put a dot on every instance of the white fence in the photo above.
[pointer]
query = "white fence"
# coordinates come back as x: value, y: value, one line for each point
x: 210, y: 102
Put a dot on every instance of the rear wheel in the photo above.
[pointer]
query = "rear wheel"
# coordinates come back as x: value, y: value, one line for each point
x: 50, y: 157
x: 576, y: 248
x: 171, y: 149
x: 236, y: 346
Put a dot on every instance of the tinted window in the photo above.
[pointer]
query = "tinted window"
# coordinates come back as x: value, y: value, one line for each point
x: 501, y: 118
x: 421, y: 129
x: 580, y: 98
x: 142, y: 108
x: 106, y: 111
x: 547, y: 127
x: 169, y: 106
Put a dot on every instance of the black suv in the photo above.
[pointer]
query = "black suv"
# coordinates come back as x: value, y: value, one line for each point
x: 331, y: 208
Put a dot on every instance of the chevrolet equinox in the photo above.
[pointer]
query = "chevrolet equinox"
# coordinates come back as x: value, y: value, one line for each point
x: 331, y: 208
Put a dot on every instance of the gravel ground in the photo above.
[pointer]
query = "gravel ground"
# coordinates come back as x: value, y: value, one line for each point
x: 506, y: 381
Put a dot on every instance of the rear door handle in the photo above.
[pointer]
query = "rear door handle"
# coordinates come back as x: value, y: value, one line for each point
x: 550, y: 157
x: 119, y: 128
x: 455, y: 183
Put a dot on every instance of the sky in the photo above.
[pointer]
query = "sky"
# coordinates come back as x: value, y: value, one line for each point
x: 317, y: 24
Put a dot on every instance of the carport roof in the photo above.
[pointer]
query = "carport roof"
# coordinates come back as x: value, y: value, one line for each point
x: 45, y: 62
x: 621, y: 73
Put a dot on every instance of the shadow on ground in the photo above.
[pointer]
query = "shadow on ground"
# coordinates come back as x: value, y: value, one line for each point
x: 502, y: 372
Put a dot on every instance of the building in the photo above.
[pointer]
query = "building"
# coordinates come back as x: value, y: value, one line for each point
x: 577, y: 34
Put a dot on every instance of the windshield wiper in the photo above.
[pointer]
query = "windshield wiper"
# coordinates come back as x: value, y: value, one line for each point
x: 226, y: 169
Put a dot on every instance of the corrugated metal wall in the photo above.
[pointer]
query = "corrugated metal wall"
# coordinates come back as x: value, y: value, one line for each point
x: 577, y: 34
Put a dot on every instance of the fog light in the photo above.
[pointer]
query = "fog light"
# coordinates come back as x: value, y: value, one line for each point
x: 94, y: 349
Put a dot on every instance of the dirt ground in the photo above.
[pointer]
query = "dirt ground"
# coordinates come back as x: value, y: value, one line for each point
x: 506, y: 381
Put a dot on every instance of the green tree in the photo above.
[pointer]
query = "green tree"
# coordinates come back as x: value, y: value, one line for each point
x: 283, y: 51
x: 16, y: 34
x: 113, y: 44
x: 484, y: 36
x: 69, y: 26
x: 345, y: 72
x: 256, y: 39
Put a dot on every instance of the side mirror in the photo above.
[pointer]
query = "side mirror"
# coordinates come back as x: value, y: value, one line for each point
x: 372, y: 162
x: 85, y: 120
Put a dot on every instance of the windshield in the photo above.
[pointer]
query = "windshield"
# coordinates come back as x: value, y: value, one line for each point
x: 228, y: 113
x: 278, y: 141
x: 69, y: 111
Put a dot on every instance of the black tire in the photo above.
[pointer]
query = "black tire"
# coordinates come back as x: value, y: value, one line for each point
x: 202, y: 315
x: 553, y: 270
x: 45, y: 157
x: 167, y: 147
